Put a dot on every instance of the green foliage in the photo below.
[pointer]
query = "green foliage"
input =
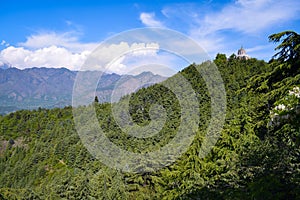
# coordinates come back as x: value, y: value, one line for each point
x: 96, y: 99
x: 42, y: 157
x: 289, y: 48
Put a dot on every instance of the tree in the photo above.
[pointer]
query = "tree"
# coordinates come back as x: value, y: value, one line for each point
x: 289, y: 47
x: 220, y: 59
x: 96, y: 99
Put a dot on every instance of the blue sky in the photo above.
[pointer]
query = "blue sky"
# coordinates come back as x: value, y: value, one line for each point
x: 63, y: 33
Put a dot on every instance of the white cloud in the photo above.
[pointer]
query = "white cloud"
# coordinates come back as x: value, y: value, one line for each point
x: 233, y: 24
x: 4, y: 43
x: 48, y: 50
x: 126, y: 58
x: 161, y: 63
x: 65, y: 50
x: 113, y: 55
x: 149, y: 20
x: 52, y: 56
x: 68, y: 40
x: 214, y: 30
x: 109, y: 52
x: 259, y: 48
x: 249, y: 16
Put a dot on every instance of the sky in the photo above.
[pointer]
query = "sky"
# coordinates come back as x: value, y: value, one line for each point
x: 36, y: 33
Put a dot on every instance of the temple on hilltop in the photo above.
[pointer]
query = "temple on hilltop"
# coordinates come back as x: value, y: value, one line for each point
x: 242, y: 54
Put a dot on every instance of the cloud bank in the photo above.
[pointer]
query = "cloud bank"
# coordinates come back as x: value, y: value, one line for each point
x: 64, y: 50
x: 48, y: 50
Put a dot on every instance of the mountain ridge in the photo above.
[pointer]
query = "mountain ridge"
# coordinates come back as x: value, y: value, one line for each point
x: 35, y: 87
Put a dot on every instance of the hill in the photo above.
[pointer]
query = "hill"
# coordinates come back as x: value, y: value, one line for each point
x: 256, y: 156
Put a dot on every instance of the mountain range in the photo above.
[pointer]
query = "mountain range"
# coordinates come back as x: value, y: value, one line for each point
x: 32, y: 88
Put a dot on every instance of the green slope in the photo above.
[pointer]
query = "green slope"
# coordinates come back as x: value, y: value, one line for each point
x: 256, y: 156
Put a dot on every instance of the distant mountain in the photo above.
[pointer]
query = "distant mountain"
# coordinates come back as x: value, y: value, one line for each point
x: 52, y: 87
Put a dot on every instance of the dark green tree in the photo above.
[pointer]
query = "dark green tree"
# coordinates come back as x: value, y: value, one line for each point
x: 220, y: 59
x: 96, y: 99
x: 289, y: 48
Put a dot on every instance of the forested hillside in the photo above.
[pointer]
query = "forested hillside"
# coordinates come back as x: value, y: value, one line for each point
x: 256, y: 157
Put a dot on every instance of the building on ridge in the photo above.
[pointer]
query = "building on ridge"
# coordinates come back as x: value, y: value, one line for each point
x: 242, y: 54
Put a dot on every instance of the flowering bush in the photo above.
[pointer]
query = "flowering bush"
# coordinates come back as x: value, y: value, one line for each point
x: 295, y: 92
x: 286, y: 106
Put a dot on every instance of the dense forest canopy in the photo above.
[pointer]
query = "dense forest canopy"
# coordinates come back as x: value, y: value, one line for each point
x: 256, y: 157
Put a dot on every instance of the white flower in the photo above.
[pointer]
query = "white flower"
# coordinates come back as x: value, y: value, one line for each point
x: 280, y: 107
x: 295, y: 92
x: 291, y: 93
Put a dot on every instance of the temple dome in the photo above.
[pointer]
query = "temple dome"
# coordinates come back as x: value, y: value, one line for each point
x: 241, y: 51
x: 242, y: 54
